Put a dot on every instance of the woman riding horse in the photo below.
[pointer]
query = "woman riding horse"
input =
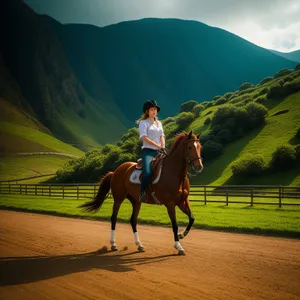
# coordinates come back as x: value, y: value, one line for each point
x: 171, y: 190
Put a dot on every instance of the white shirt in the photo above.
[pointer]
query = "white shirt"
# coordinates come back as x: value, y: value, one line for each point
x: 149, y: 129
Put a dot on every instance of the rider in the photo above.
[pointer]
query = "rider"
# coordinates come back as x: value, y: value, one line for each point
x: 152, y: 134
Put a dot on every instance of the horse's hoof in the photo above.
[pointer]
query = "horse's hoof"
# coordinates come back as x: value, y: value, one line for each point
x: 141, y: 249
x: 114, y: 248
x: 181, y: 252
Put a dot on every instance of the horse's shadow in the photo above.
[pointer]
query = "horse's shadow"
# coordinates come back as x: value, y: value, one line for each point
x: 18, y: 270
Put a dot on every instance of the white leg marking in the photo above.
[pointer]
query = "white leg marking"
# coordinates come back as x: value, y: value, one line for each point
x: 137, y: 240
x: 178, y: 247
x: 113, y: 238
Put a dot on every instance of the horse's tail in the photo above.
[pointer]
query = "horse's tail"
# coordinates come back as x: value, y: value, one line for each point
x: 95, y: 204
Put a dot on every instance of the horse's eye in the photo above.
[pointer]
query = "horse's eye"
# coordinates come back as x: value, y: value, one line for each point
x: 190, y: 147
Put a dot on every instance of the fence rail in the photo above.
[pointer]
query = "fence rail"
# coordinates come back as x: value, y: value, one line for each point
x: 228, y: 194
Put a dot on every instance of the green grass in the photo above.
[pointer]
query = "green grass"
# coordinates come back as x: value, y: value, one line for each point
x: 234, y: 218
x: 279, y: 129
x: 17, y: 167
x: 28, y: 136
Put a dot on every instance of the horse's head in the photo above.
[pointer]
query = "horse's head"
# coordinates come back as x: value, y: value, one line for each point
x: 192, y: 153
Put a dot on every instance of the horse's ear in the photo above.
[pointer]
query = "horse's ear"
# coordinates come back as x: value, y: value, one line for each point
x: 198, y: 136
x: 190, y: 134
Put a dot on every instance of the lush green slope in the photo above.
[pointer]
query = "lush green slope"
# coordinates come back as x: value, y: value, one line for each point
x: 27, y: 148
x: 250, y: 122
x: 19, y: 167
x: 282, y: 124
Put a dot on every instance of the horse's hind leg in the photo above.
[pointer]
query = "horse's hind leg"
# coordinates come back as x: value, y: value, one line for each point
x: 185, y: 208
x: 136, y: 206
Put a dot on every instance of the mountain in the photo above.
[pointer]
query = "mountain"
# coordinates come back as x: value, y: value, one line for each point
x: 293, y: 56
x: 170, y: 60
x: 44, y: 83
x: 87, y: 84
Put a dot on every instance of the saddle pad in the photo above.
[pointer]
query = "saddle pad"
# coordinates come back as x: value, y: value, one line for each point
x: 135, y: 176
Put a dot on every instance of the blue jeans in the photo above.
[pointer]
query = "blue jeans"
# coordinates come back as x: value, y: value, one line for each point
x: 147, y: 156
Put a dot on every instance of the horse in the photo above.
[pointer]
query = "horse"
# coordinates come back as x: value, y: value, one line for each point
x: 171, y: 189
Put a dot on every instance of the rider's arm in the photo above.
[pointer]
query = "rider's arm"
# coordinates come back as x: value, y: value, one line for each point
x: 147, y: 140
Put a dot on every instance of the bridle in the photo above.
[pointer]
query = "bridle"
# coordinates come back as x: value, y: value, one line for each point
x: 188, y: 161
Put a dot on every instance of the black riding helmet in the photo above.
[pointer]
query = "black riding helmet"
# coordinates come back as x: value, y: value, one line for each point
x: 150, y: 104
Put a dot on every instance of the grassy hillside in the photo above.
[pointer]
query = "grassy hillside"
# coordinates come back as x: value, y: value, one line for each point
x: 252, y: 121
x: 19, y: 167
x: 27, y: 148
x: 282, y: 124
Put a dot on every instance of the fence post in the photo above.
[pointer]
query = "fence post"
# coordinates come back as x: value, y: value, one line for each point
x: 280, y: 189
x: 251, y: 195
x: 77, y: 191
x: 63, y: 191
x: 94, y: 190
x: 9, y: 188
x: 205, y: 195
x: 25, y: 189
x: 50, y: 190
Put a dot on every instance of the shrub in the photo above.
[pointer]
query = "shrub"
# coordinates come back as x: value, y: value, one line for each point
x: 228, y: 95
x: 188, y: 106
x: 261, y: 100
x: 225, y: 136
x: 197, y: 109
x: 265, y: 80
x: 212, y: 150
x: 245, y: 86
x: 256, y: 114
x: 297, y: 67
x: 274, y: 91
x: 220, y: 101
x: 228, y: 116
x: 207, y: 121
x: 283, y: 158
x: 247, y: 91
x: 250, y: 166
x: 263, y: 91
x: 168, y: 120
x: 205, y: 137
x: 184, y: 119
x: 217, y: 97
x: 283, y: 73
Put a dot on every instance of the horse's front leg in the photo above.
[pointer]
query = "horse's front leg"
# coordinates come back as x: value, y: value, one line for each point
x: 184, y: 206
x: 136, y: 206
x: 172, y: 215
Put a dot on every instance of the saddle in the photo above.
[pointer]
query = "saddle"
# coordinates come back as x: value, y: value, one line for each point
x: 156, y: 165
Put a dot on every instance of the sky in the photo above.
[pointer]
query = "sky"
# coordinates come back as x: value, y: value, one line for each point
x: 272, y: 24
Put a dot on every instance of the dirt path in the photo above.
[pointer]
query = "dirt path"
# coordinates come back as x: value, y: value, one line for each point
x: 46, y: 257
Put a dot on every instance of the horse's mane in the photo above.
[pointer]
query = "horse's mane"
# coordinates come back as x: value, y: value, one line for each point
x: 178, y: 139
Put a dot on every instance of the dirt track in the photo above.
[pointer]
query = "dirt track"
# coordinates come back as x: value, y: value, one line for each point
x: 46, y: 257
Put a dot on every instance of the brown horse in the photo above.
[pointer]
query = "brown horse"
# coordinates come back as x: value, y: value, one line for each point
x: 171, y: 189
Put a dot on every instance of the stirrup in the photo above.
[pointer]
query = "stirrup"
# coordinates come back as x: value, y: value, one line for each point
x: 144, y: 197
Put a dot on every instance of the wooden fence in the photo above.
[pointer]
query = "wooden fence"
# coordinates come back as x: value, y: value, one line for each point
x: 227, y: 194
